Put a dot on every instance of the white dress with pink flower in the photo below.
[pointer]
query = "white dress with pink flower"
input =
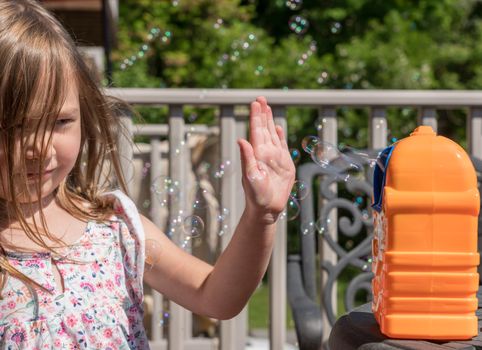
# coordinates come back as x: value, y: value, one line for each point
x: 100, y: 306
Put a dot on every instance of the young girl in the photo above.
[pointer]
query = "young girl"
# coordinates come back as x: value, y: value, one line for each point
x: 72, y: 250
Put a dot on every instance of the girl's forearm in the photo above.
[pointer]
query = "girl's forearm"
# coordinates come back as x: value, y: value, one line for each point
x: 240, y: 267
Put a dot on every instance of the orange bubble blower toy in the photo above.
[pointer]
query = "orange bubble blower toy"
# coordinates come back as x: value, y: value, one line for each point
x: 426, y: 205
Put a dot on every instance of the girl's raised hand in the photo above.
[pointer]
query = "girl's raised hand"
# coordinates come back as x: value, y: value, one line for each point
x: 268, y: 170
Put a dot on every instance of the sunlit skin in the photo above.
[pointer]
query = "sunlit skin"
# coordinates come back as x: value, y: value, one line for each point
x: 222, y: 291
x: 61, y: 152
x: 219, y: 291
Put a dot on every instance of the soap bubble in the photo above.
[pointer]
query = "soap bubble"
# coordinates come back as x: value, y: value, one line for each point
x: 322, y: 226
x: 153, y: 253
x: 224, y: 169
x: 309, y: 143
x: 294, y: 4
x: 163, y: 318
x: 299, y: 190
x: 200, y: 201
x: 164, y: 188
x: 293, y: 209
x: 335, y: 27
x: 223, y: 229
x: 218, y: 23
x: 322, y: 78
x: 323, y: 153
x: 295, y: 155
x: 164, y: 185
x: 145, y: 169
x: 223, y: 215
x: 308, y: 228
x: 193, y: 226
x: 334, y: 162
x: 298, y: 24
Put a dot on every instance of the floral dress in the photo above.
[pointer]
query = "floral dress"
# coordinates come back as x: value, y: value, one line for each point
x: 100, y: 306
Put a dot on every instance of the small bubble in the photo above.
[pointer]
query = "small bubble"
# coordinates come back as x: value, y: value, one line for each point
x: 153, y: 253
x: 322, y: 226
x: 295, y: 155
x: 224, y: 169
x: 308, y: 228
x: 193, y: 226
x: 165, y: 185
x: 300, y: 190
x: 322, y: 77
x: 164, y: 318
x: 224, y: 229
x: 321, y: 154
x: 294, y: 4
x: 293, y: 209
x: 335, y: 27
x: 320, y: 123
x: 298, y: 24
x: 200, y: 201
x: 309, y: 143
x: 218, y: 23
x: 223, y: 215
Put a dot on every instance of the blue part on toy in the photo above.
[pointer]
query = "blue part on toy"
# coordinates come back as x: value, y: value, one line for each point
x: 379, y: 175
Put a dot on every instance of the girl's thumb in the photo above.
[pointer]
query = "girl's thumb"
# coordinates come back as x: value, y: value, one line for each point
x: 249, y: 165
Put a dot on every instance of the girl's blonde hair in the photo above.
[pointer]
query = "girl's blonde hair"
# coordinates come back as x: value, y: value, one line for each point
x: 38, y: 59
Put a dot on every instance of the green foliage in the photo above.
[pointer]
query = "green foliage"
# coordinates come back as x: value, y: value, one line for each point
x: 349, y: 44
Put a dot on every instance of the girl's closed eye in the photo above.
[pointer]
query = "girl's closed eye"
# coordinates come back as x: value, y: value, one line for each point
x: 64, y: 122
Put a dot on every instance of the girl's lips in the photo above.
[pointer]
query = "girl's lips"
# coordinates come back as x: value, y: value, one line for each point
x: 46, y: 174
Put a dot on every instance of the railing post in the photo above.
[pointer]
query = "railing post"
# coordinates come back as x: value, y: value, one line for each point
x: 126, y: 153
x: 231, y: 339
x: 378, y: 128
x: 428, y: 116
x: 155, y: 172
x: 277, y: 268
x: 328, y: 133
x: 474, y: 132
x: 474, y: 143
x: 241, y: 131
x: 180, y: 328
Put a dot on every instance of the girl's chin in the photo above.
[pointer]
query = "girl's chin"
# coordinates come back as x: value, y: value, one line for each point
x: 23, y: 199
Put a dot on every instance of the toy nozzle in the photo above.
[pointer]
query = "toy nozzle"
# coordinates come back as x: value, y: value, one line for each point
x: 423, y: 130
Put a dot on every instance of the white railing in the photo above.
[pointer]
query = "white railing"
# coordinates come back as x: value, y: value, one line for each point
x: 233, y: 332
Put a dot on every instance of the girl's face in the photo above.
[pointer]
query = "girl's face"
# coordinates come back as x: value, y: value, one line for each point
x: 60, y: 154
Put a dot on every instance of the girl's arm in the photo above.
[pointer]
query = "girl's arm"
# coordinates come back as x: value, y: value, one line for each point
x: 223, y: 290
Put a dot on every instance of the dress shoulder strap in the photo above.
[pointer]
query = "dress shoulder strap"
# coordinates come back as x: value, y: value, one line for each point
x: 127, y: 209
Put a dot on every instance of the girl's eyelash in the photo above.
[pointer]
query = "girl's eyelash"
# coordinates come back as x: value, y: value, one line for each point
x: 64, y: 122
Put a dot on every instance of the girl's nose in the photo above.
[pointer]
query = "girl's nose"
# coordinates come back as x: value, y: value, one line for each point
x: 33, y: 148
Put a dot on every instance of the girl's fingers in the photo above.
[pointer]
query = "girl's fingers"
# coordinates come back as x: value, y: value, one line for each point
x: 263, y: 104
x: 271, y: 127
x: 281, y: 136
x: 269, y: 122
x: 249, y: 164
x: 256, y: 135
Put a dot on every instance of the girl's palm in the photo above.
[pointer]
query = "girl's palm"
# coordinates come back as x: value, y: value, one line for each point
x: 268, y: 171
